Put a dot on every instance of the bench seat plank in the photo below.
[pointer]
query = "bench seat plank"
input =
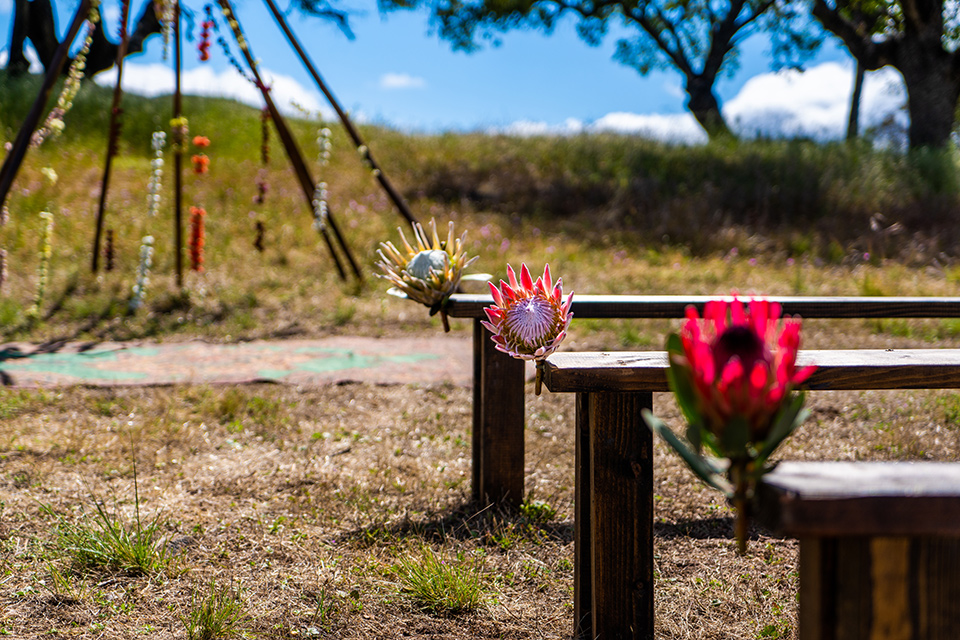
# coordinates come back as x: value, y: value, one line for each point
x: 862, y: 499
x: 852, y: 369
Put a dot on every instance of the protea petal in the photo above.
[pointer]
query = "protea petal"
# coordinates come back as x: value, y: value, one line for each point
x: 525, y: 280
x: 512, y: 276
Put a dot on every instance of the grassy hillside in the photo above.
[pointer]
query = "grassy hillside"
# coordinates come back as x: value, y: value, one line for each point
x: 610, y: 213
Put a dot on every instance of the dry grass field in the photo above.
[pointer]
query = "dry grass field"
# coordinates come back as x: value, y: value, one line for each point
x: 344, y: 512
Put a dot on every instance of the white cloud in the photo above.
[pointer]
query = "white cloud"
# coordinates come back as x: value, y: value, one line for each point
x: 157, y: 79
x: 527, y: 128
x: 813, y: 103
x: 29, y: 52
x: 401, y: 81
x: 681, y: 127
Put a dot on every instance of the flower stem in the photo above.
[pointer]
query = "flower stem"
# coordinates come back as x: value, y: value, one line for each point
x: 740, y: 504
x: 539, y: 383
x: 446, y: 321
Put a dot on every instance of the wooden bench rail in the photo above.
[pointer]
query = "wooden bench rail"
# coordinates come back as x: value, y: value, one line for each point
x: 498, y: 408
x: 614, y: 475
x: 652, y: 307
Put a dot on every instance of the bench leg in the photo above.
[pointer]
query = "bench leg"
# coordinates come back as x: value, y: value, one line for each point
x: 881, y: 588
x: 614, y: 547
x: 498, y: 447
x: 582, y: 548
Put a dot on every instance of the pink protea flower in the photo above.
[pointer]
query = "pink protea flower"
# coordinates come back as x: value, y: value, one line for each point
x: 528, y: 319
x: 741, y: 363
x: 734, y: 375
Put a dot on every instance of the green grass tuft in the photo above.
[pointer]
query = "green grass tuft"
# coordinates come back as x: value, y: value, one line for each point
x: 104, y: 542
x: 221, y: 613
x: 441, y: 586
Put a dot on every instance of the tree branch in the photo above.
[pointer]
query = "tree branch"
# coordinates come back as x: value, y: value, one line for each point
x: 872, y: 55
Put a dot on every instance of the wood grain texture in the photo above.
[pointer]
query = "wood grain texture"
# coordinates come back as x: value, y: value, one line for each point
x: 817, y: 616
x: 498, y: 446
x: 879, y: 588
x: 621, y: 518
x: 582, y: 545
x: 613, y: 306
x: 844, y: 369
x: 802, y: 499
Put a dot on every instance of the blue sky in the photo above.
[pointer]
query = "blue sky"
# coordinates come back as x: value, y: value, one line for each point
x: 394, y: 72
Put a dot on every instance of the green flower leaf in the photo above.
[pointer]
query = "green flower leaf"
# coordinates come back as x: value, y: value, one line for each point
x: 791, y: 415
x: 704, y: 469
x: 693, y: 436
x: 679, y: 379
x: 735, y: 437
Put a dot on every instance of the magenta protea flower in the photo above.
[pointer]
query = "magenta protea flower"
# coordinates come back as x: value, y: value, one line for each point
x: 739, y: 364
x: 529, y: 319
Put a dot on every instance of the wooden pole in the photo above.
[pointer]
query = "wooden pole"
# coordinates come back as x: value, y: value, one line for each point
x: 289, y: 144
x: 114, y: 134
x: 11, y: 164
x: 394, y: 196
x: 178, y: 143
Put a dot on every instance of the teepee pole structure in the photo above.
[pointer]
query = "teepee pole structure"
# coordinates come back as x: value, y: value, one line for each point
x: 392, y: 193
x: 114, y: 133
x: 289, y: 144
x: 179, y: 140
x: 11, y: 164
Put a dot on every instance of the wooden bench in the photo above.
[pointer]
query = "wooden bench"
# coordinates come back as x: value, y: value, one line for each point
x: 879, y: 546
x: 613, y: 557
x: 498, y: 389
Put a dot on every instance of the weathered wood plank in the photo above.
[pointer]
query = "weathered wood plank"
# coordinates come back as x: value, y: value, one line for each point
x: 583, y: 547
x: 851, y: 369
x: 651, y: 307
x: 498, y: 445
x: 803, y: 499
x: 817, y: 591
x: 621, y: 518
x: 879, y: 588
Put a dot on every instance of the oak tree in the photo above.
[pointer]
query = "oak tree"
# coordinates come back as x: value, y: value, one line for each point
x: 698, y: 38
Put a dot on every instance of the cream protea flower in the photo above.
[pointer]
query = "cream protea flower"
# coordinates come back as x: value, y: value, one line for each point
x: 429, y: 273
x: 529, y: 319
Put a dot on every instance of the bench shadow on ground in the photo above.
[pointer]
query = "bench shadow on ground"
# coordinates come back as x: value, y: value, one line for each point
x: 500, y: 526
x: 706, y: 529
x: 490, y: 525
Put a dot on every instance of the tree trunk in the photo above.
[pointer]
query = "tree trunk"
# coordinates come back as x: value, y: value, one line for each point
x: 933, y: 88
x: 17, y: 63
x: 34, y: 19
x: 853, y: 121
x: 705, y: 107
x: 42, y: 31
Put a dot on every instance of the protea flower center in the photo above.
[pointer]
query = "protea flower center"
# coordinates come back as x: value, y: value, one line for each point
x: 531, y: 323
x: 742, y: 342
x: 424, y: 262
